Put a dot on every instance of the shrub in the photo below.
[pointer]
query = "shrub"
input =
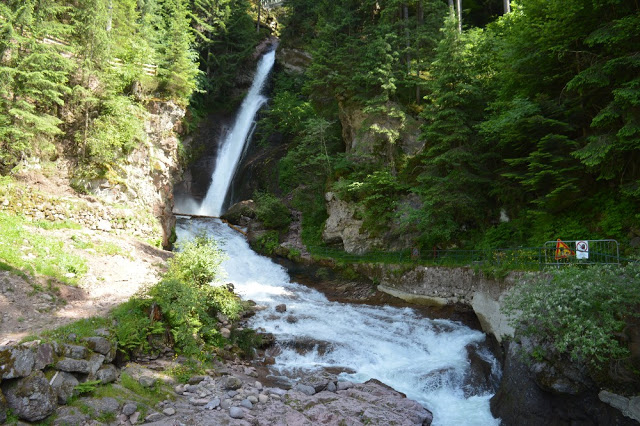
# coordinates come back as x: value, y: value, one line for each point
x: 197, y: 261
x: 271, y: 211
x: 578, y: 311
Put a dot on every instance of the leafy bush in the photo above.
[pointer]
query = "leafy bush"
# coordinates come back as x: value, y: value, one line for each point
x: 578, y: 311
x: 271, y: 211
x: 197, y: 261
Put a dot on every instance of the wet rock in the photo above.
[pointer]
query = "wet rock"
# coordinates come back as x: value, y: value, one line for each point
x: 30, y: 398
x: 281, y: 308
x: 63, y: 384
x: 479, y: 377
x: 236, y: 413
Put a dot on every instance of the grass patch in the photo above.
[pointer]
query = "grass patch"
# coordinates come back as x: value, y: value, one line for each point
x: 65, y: 224
x: 83, y: 328
x: 23, y: 249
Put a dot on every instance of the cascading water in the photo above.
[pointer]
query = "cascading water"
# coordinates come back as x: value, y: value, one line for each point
x: 230, y: 151
x: 425, y: 359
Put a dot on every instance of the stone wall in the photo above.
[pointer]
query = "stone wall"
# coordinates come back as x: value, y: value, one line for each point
x: 35, y: 377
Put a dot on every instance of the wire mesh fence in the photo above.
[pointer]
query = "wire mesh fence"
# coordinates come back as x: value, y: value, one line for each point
x: 521, y: 258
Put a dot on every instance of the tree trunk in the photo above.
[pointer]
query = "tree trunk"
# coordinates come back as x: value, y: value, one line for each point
x: 109, y: 15
x: 420, y: 13
x: 507, y: 6
x: 459, y: 15
x: 259, y: 3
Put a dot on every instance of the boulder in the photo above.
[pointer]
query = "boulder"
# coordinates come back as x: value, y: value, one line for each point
x: 75, y: 351
x: 231, y: 383
x: 63, y: 384
x: 30, y: 398
x: 107, y: 374
x: 98, y: 344
x: 236, y: 413
x: 16, y: 361
x: 44, y: 355
x: 102, y: 406
x: 3, y: 408
x: 241, y: 213
x: 71, y: 365
x: 281, y: 308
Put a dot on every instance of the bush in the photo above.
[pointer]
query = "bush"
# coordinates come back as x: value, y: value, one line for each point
x: 197, y: 261
x: 271, y: 211
x: 578, y: 311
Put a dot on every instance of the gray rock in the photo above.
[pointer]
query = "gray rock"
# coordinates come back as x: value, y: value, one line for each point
x: 194, y: 380
x: 253, y: 399
x: 262, y: 398
x: 63, y: 384
x: 44, y: 356
x: 225, y: 404
x: 344, y: 385
x: 3, y: 408
x: 257, y: 385
x: 75, y: 351
x: 31, y: 398
x: 198, y: 401
x: 246, y: 404
x: 225, y: 332
x: 232, y: 394
x: 281, y: 308
x: 154, y: 417
x: 95, y: 362
x: 133, y: 419
x: 231, y: 383
x: 16, y: 362
x: 191, y: 388
x: 305, y: 389
x: 169, y: 411
x: 107, y: 373
x: 236, y: 413
x: 331, y: 387
x: 74, y: 365
x: 129, y: 408
x: 102, y: 406
x: 147, y: 381
x: 98, y: 344
x: 71, y: 419
x: 213, y: 404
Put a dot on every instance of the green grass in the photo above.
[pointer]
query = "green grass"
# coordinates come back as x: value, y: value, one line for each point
x: 23, y: 249
x: 83, y: 328
x: 105, y: 247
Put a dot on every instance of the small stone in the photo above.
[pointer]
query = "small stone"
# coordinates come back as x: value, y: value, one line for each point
x: 253, y: 399
x: 154, y: 417
x: 305, y: 389
x: 258, y: 385
x: 169, y: 411
x: 262, y: 398
x: 231, y: 394
x: 225, y: 404
x: 246, y: 404
x: 194, y: 380
x: 129, y: 408
x: 147, y: 381
x: 198, y: 401
x: 213, y: 404
x: 225, y: 332
x: 231, y: 383
x: 236, y: 413
x: 281, y: 308
x: 178, y: 389
x: 134, y: 417
x: 344, y: 385
x: 331, y: 387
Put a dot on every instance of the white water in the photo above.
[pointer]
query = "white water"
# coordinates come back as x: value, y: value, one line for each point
x: 423, y: 358
x: 230, y: 151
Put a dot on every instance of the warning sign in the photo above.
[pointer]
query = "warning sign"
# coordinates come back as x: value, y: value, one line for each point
x: 582, y: 249
x: 562, y: 250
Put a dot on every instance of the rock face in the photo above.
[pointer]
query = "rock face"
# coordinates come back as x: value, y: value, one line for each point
x: 149, y: 171
x: 30, y: 398
x: 541, y: 393
x: 344, y: 229
x: 293, y: 60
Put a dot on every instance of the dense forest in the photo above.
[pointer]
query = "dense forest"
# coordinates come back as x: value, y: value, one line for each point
x: 531, y: 115
x: 76, y: 75
x: 528, y: 121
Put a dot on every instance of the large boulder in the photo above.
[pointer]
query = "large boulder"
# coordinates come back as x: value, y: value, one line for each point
x: 63, y: 384
x: 16, y: 361
x: 30, y: 398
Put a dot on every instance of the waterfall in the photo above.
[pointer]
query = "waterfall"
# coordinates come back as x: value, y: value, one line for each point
x: 233, y: 145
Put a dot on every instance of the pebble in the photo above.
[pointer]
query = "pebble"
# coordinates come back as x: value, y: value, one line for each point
x: 236, y: 413
x: 129, y: 408
x: 258, y: 385
x: 213, y: 404
x: 198, y: 401
x: 246, y: 404
x: 231, y: 394
x: 225, y: 404
x: 153, y: 417
x: 253, y: 399
x: 262, y: 398
x: 169, y: 411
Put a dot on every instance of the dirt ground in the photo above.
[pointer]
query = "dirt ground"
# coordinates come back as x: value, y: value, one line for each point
x: 27, y: 307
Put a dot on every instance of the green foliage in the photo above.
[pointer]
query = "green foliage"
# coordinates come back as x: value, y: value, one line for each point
x: 247, y: 340
x: 86, y: 387
x: 578, y: 311
x: 267, y: 243
x: 271, y: 211
x: 33, y: 252
x: 197, y: 261
x: 82, y: 328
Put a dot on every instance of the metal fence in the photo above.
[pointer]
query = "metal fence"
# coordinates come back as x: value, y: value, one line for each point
x: 522, y: 258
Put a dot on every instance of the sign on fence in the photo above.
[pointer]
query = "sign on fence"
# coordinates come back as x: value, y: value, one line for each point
x: 582, y: 250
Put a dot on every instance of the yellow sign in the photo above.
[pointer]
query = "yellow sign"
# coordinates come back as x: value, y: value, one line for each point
x: 562, y: 250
